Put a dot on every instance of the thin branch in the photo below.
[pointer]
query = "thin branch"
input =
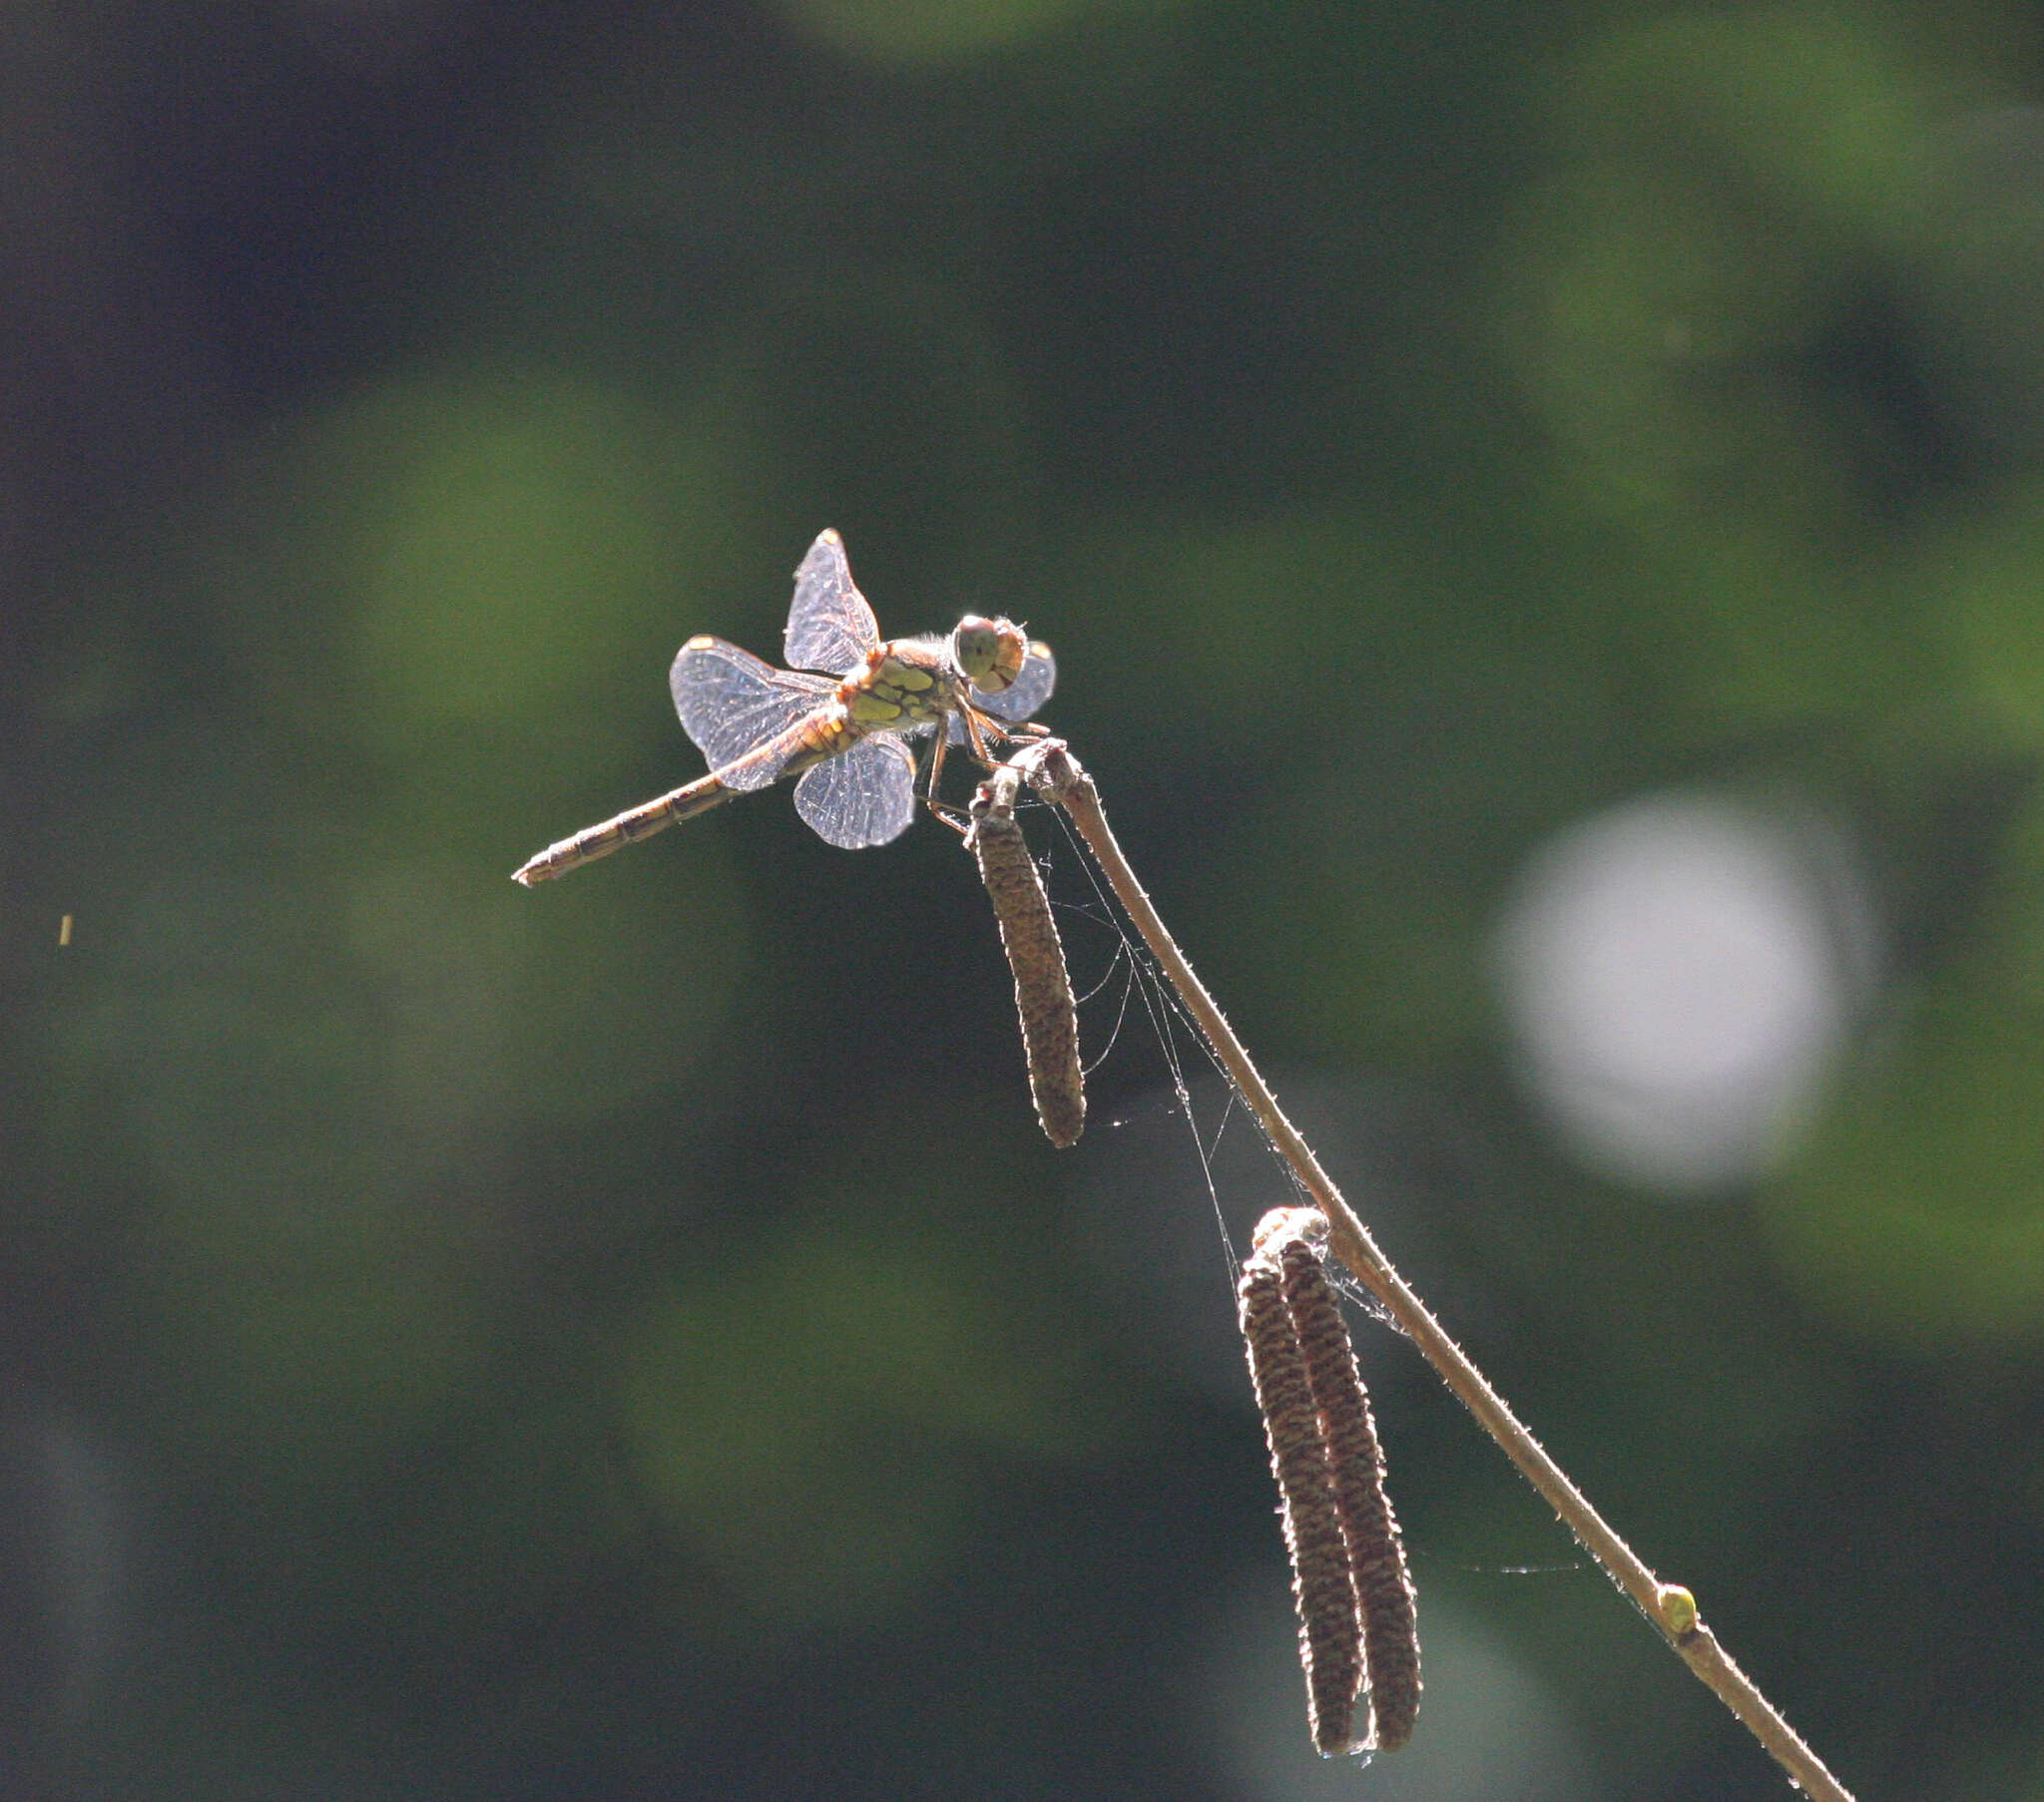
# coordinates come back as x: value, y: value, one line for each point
x: 1049, y: 765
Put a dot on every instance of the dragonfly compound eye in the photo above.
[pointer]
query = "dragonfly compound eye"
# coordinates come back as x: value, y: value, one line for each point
x: 990, y: 653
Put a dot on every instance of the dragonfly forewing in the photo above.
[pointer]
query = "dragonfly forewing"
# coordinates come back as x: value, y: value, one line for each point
x: 829, y: 625
x: 734, y: 705
x: 865, y: 796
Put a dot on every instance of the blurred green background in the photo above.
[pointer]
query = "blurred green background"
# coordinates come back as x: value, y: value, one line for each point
x: 1541, y: 515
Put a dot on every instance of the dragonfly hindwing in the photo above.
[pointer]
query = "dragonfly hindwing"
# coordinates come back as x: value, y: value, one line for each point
x: 866, y: 796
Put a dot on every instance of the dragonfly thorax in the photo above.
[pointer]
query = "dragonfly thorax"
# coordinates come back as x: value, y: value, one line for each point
x: 905, y: 683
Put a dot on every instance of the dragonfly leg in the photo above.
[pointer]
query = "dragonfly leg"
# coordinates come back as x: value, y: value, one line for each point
x: 936, y: 771
x: 980, y: 727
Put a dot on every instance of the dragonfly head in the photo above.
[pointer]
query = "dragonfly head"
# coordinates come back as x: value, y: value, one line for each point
x: 989, y: 653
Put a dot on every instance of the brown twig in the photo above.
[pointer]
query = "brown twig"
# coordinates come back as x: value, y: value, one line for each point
x: 1049, y: 766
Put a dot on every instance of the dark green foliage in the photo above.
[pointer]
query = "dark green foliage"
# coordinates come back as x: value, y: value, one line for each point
x: 629, y: 1339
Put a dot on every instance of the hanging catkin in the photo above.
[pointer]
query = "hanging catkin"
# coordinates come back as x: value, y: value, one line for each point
x: 1358, y: 1615
x: 1329, y: 1635
x: 1376, y: 1556
x: 1036, y: 956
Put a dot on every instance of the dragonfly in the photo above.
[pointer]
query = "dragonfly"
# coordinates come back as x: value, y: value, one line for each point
x: 841, y: 716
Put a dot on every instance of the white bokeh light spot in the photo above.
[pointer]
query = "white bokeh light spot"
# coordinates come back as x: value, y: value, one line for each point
x: 1678, y: 973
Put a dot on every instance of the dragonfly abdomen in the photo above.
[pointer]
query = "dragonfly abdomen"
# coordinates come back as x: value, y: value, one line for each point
x: 824, y: 734
x: 623, y: 829
x: 794, y: 750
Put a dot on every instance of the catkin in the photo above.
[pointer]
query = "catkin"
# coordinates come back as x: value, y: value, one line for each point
x: 1376, y: 1556
x: 1036, y: 956
x: 1330, y: 1634
x: 1358, y: 1625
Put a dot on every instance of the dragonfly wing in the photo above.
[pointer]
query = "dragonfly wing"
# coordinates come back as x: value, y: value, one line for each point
x: 829, y: 625
x: 733, y: 702
x: 1021, y: 697
x: 865, y: 796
